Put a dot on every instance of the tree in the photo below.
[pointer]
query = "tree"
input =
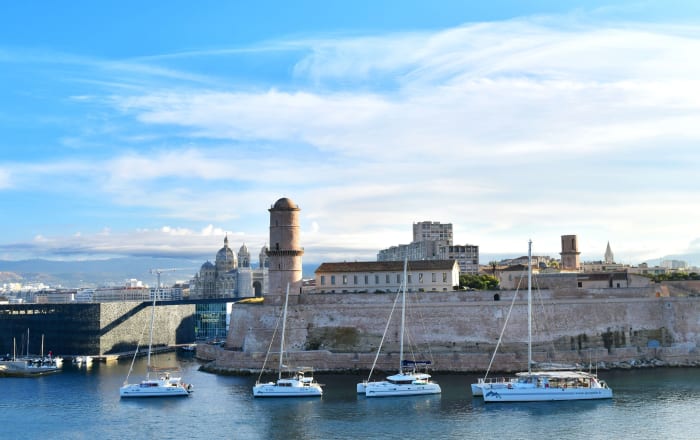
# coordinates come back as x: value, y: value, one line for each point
x: 493, y: 265
x: 478, y: 282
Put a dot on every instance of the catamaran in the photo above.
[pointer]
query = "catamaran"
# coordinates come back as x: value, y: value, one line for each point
x: 541, y: 385
x: 408, y: 381
x: 299, y: 382
x: 164, y: 385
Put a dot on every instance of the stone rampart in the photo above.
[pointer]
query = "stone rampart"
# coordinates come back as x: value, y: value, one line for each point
x: 459, y: 330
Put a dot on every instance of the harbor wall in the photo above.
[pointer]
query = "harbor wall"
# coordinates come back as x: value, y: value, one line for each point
x: 459, y: 330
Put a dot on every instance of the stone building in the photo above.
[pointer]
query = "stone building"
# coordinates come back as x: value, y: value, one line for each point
x: 387, y: 276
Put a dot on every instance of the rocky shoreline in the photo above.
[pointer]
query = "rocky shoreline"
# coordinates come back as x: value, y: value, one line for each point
x: 211, y: 366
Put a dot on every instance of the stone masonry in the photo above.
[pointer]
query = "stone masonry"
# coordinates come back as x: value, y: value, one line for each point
x: 459, y: 330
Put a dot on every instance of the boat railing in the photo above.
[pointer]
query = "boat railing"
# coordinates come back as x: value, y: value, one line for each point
x: 493, y: 380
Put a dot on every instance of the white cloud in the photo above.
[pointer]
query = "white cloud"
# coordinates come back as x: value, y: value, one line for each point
x: 510, y: 130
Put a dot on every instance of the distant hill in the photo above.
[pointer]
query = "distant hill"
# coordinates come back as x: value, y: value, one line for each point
x: 114, y: 271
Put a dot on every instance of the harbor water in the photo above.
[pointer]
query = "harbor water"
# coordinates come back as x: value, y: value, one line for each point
x: 82, y: 403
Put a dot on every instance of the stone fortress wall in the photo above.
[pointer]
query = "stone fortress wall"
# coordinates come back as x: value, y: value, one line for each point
x: 459, y: 330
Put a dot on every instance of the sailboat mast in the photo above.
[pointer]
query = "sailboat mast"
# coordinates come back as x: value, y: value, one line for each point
x: 403, y: 311
x: 153, y: 317
x: 284, y: 324
x: 529, y: 306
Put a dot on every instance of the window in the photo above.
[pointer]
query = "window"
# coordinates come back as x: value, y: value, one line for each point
x: 420, y: 277
x: 333, y: 280
x: 345, y: 279
x: 376, y: 279
x: 434, y: 277
x: 409, y: 278
x: 398, y: 278
x: 323, y: 280
x: 444, y: 277
x: 366, y: 279
x: 354, y: 279
x: 387, y: 279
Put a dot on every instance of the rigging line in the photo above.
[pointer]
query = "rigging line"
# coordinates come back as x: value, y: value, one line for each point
x: 424, y: 327
x: 388, y: 321
x: 542, y: 325
x: 503, y: 329
x: 133, y: 359
x: 269, y: 348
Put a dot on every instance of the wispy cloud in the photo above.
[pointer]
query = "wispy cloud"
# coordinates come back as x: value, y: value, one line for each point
x: 529, y: 128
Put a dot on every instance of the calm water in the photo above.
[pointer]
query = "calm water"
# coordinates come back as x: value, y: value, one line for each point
x: 85, y: 404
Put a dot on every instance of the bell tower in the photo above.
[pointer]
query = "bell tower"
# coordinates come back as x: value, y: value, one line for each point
x: 284, y: 254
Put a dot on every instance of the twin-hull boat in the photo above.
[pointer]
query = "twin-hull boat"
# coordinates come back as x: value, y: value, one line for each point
x: 545, y: 385
x: 165, y: 385
x: 408, y: 381
x: 300, y: 383
x: 402, y: 384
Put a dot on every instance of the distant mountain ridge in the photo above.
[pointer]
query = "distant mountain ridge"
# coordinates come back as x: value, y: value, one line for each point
x: 117, y: 271
x: 109, y: 272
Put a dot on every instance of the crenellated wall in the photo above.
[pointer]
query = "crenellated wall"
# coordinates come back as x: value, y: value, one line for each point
x: 459, y: 330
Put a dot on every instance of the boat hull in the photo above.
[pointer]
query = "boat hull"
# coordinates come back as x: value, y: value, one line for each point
x: 388, y: 389
x: 23, y: 368
x: 274, y: 390
x: 545, y: 394
x: 156, y: 388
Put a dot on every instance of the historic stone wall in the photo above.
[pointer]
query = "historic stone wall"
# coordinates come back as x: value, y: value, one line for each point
x: 459, y: 330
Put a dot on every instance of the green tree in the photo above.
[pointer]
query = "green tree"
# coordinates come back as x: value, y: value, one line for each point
x: 478, y: 282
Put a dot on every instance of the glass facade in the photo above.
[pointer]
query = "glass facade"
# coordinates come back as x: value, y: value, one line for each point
x: 210, y: 321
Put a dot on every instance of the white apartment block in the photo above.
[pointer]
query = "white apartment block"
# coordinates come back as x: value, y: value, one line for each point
x: 432, y: 231
x: 433, y: 241
x: 467, y: 256
x: 386, y: 276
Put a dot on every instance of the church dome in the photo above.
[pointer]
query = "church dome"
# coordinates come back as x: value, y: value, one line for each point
x: 225, y: 253
x: 207, y: 265
x: 243, y: 249
x: 285, y: 203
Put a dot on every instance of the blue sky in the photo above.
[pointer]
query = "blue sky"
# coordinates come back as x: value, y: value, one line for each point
x: 154, y: 128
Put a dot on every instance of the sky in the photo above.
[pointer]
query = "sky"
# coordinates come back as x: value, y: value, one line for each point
x: 132, y: 128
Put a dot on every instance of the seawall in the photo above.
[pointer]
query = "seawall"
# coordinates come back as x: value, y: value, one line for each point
x: 458, y: 331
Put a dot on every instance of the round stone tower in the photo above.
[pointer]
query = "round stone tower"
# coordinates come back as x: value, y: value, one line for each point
x: 284, y: 254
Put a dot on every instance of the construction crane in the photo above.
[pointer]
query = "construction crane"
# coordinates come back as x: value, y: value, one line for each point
x: 157, y: 272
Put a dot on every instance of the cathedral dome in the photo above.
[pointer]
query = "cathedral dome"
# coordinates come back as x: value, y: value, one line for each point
x: 207, y: 265
x: 285, y: 203
x: 225, y: 253
x: 243, y: 249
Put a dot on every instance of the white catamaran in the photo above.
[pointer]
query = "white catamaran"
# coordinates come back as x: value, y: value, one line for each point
x: 298, y: 383
x: 542, y: 385
x: 408, y: 381
x: 164, y: 385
